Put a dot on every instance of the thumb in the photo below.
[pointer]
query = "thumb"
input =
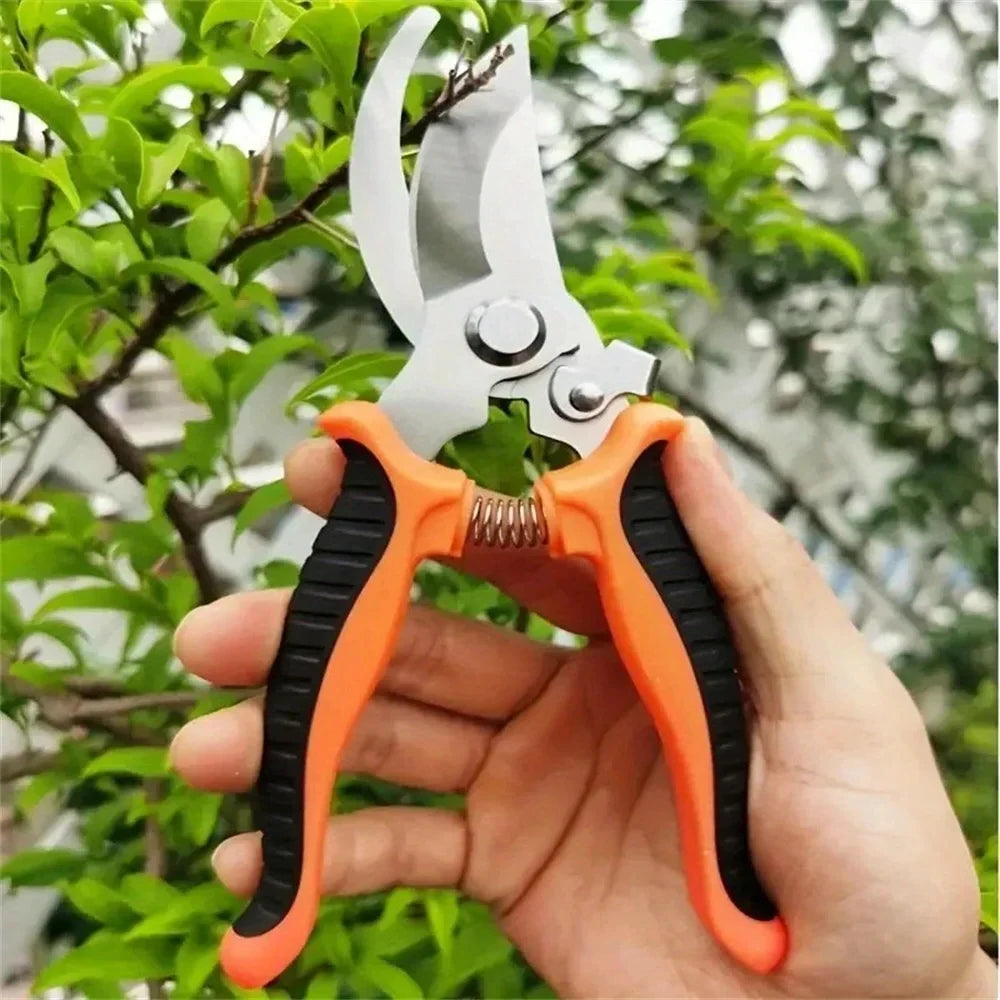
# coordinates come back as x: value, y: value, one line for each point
x: 800, y: 653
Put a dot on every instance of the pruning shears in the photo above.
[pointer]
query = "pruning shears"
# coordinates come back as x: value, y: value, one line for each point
x: 465, y: 263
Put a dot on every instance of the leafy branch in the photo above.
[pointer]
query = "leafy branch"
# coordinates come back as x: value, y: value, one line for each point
x: 187, y: 518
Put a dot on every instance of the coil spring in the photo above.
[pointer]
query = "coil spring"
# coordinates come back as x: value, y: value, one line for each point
x: 508, y: 522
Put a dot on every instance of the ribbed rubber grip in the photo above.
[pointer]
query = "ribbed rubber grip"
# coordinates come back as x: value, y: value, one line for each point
x: 657, y: 536
x: 344, y: 556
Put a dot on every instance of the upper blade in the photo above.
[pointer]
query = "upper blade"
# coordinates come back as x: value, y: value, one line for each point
x: 379, y: 197
x: 478, y: 200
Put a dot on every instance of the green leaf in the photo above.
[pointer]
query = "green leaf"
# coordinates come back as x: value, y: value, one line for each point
x: 828, y: 241
x: 263, y: 500
x: 369, y: 11
x: 106, y: 959
x: 721, y: 134
x: 35, y: 14
x: 325, y: 985
x: 271, y: 26
x: 99, y: 902
x: 442, y: 914
x: 43, y: 100
x: 602, y: 289
x: 389, y: 979
x: 227, y: 11
x: 261, y: 358
x: 232, y: 168
x: 53, y: 169
x: 96, y: 259
x: 125, y: 148
x: 208, y: 899
x: 158, y: 168
x: 42, y: 676
x: 197, y: 956
x: 143, y: 89
x: 106, y: 597
x: 205, y: 229
x: 303, y: 170
x: 493, y: 455
x: 42, y: 866
x: 278, y: 573
x: 477, y: 947
x: 199, y: 378
x: 637, y: 327
x: 41, y: 558
x: 334, y: 36
x: 37, y: 789
x: 673, y: 269
x: 200, y: 814
x: 30, y: 282
x: 145, y: 762
x: 186, y: 270
x: 147, y: 894
x: 396, y: 904
x: 348, y: 372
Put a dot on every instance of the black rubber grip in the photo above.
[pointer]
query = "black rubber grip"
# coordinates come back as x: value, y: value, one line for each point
x: 344, y: 555
x: 662, y: 546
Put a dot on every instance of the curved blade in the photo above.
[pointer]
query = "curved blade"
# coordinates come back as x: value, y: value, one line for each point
x: 478, y: 200
x: 379, y: 198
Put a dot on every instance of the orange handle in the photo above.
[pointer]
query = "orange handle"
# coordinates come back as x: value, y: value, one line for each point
x: 614, y: 509
x: 394, y: 509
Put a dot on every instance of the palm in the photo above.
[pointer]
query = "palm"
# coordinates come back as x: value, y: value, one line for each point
x: 578, y: 775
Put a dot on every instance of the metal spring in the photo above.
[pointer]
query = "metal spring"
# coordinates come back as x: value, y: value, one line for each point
x: 508, y: 522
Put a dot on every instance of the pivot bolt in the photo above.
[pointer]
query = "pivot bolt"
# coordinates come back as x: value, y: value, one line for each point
x: 505, y: 332
x: 586, y: 397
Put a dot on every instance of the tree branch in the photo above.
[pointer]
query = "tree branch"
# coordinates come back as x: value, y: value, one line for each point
x: 27, y: 763
x: 224, y: 505
x: 167, y: 307
x: 183, y: 515
x: 250, y: 80
x: 10, y: 490
x: 155, y: 847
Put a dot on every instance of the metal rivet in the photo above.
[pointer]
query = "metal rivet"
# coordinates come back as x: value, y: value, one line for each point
x: 586, y: 396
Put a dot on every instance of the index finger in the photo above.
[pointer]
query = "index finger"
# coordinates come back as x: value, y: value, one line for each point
x: 563, y: 591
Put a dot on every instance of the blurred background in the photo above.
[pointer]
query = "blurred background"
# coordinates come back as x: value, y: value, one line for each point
x: 793, y: 200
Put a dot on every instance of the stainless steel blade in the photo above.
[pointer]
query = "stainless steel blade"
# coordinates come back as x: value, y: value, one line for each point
x: 379, y: 197
x: 478, y: 200
x: 451, y: 166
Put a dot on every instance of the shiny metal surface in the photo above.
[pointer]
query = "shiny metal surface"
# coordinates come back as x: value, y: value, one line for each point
x: 486, y: 261
x: 380, y: 201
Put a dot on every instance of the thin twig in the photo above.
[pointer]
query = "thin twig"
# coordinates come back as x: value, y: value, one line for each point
x: 48, y: 197
x: 11, y: 489
x: 224, y: 505
x: 167, y: 307
x: 182, y: 514
x: 250, y: 80
x: 265, y: 159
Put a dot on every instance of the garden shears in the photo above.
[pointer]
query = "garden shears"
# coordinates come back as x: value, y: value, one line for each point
x: 465, y: 262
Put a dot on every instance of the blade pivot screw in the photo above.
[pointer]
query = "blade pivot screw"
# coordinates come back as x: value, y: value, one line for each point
x: 586, y: 397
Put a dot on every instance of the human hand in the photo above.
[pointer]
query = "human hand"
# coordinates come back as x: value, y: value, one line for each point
x: 569, y: 831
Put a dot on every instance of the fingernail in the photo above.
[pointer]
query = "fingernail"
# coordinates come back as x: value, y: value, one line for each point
x: 216, y: 854
x: 185, y: 625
